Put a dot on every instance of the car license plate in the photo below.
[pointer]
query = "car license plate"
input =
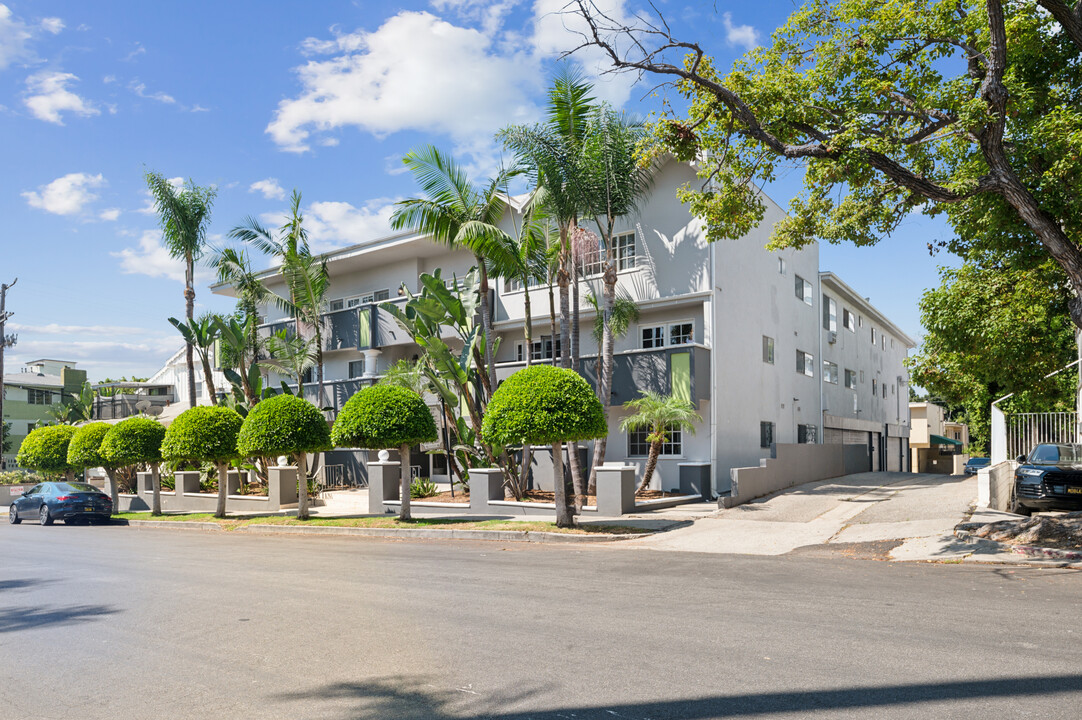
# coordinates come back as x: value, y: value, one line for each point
x: 88, y: 509
x: 1074, y: 490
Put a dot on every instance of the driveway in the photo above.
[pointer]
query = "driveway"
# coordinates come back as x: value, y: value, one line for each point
x: 883, y: 509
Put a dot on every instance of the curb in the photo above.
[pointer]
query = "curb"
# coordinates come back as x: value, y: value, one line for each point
x: 1030, y: 551
x: 417, y: 533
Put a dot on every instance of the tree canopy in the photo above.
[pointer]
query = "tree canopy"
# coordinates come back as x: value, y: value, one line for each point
x: 283, y: 425
x: 203, y: 433
x: 383, y: 416
x: 543, y: 404
x: 46, y: 449
x: 134, y: 440
x: 84, y: 450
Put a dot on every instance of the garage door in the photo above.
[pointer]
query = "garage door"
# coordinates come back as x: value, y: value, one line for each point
x: 894, y: 454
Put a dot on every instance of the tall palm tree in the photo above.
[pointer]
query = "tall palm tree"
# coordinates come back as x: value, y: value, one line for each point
x: 305, y: 275
x: 184, y: 215
x: 201, y: 334
x: 659, y: 415
x: 234, y: 267
x: 291, y: 355
x: 457, y: 214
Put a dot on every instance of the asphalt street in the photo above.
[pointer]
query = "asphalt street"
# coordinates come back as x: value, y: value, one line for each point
x: 114, y: 622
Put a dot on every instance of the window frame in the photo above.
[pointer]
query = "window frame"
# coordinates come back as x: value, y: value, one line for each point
x: 349, y: 369
x: 830, y: 314
x: 656, y: 341
x: 766, y: 434
x: 805, y: 290
x: 830, y: 370
x: 768, y: 349
x: 805, y: 363
x: 849, y: 320
x: 636, y: 441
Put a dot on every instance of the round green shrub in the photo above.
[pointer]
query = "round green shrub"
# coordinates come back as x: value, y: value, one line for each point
x: 84, y: 451
x: 544, y: 405
x: 46, y: 449
x: 134, y: 440
x: 383, y: 416
x: 205, y: 432
x: 283, y: 425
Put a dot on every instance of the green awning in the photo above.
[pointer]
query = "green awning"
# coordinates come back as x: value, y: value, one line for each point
x: 940, y: 440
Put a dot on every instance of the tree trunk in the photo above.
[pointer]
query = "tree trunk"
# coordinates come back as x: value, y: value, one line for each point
x: 208, y: 376
x: 114, y: 492
x: 223, y: 481
x: 489, y: 376
x: 527, y: 323
x: 563, y: 279
x: 189, y: 313
x: 604, y: 375
x: 564, y: 516
x: 651, y: 463
x: 156, y: 484
x: 404, y: 477
x: 302, y: 486
x: 576, y: 349
x: 69, y: 475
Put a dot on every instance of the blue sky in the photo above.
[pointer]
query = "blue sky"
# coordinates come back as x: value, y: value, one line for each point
x: 259, y: 98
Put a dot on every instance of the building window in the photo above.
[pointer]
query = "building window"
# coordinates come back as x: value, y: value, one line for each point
x: 356, y: 368
x: 199, y: 389
x: 624, y: 255
x: 882, y: 342
x: 892, y: 343
x: 543, y: 349
x: 781, y: 265
x: 875, y: 386
x: 306, y: 376
x: 849, y: 321
x: 805, y: 363
x: 851, y: 379
x: 806, y: 434
x: 803, y: 290
x: 653, y: 337
x: 766, y: 434
x: 861, y: 377
x: 768, y: 349
x: 892, y: 388
x: 830, y: 372
x: 39, y: 397
x: 884, y: 391
x: 860, y: 321
x: 336, y: 305
x: 873, y: 336
x: 639, y: 446
x: 681, y: 334
x: 830, y: 314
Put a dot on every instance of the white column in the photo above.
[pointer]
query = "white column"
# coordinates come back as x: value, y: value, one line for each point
x: 370, y: 357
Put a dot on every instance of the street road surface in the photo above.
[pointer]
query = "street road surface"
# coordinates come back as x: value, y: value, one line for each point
x: 117, y: 623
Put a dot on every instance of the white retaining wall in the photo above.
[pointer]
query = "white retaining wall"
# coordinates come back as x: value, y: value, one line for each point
x: 994, y: 485
x: 795, y: 465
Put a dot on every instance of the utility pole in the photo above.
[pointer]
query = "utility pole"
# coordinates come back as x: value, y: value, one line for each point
x: 6, y: 341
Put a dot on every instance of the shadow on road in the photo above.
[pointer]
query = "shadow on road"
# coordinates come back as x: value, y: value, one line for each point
x: 21, y: 584
x: 17, y: 619
x: 411, y: 698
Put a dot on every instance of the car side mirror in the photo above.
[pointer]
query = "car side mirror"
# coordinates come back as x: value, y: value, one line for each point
x: 1021, y: 458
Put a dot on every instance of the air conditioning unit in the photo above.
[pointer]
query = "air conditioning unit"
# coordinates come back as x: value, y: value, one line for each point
x: 832, y: 337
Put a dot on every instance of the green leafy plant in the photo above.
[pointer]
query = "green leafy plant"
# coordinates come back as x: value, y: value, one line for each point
x: 45, y: 449
x: 205, y: 434
x: 546, y: 405
x: 422, y: 487
x: 285, y: 425
x: 386, y: 416
x: 17, y: 477
x: 133, y: 441
x: 659, y: 414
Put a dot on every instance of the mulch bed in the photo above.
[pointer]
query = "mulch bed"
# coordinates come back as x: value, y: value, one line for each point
x: 541, y: 496
x: 1063, y: 532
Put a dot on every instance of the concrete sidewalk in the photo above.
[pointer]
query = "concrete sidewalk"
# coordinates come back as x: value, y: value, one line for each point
x: 883, y: 507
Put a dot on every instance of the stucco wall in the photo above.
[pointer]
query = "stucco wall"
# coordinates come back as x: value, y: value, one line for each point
x: 994, y: 485
x: 794, y: 465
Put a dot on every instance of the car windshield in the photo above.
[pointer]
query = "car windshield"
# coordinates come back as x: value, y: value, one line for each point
x: 980, y: 461
x: 75, y: 487
x: 1053, y: 454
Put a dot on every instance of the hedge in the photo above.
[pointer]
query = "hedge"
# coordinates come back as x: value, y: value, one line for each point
x: 203, y: 433
x: 134, y: 440
x: 46, y: 449
x: 383, y: 416
x: 283, y: 425
x: 543, y: 405
x: 84, y: 451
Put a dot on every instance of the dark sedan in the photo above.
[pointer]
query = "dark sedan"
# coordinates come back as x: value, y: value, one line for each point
x: 1049, y: 478
x: 975, y: 464
x: 67, y: 501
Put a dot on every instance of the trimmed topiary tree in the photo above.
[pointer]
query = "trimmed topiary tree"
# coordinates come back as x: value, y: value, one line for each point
x: 286, y: 425
x: 45, y: 449
x: 386, y: 416
x: 133, y: 441
x: 544, y: 405
x: 205, y: 433
x: 84, y: 452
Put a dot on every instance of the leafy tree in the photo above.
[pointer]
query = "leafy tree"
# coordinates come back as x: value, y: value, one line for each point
x: 201, y: 334
x: 75, y: 408
x: 5, y: 444
x: 233, y: 266
x: 408, y: 374
x: 659, y: 415
x: 84, y: 451
x: 546, y: 405
x: 969, y: 109
x: 995, y: 330
x: 45, y: 449
x: 386, y: 416
x: 205, y: 434
x: 244, y: 354
x: 137, y: 441
x: 184, y: 215
x: 286, y: 425
x: 292, y: 356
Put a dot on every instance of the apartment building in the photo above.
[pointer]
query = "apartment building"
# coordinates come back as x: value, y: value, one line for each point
x: 29, y: 394
x: 755, y: 339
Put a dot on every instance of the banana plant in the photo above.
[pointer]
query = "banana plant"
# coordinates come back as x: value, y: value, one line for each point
x: 201, y: 334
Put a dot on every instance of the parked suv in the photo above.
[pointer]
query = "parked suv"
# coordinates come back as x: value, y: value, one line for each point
x: 1049, y: 478
x: 975, y: 464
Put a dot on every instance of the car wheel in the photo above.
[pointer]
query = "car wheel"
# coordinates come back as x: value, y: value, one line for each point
x: 46, y: 519
x: 13, y: 516
x: 1016, y: 507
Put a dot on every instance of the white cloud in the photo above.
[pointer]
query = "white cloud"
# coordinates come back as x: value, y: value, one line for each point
x: 52, y: 25
x: 56, y: 329
x: 139, y: 50
x: 745, y: 35
x: 140, y: 89
x: 66, y: 195
x: 333, y: 225
x: 198, y: 108
x: 152, y: 259
x: 48, y: 96
x: 269, y: 187
x: 15, y: 39
x: 457, y: 82
x: 109, y: 214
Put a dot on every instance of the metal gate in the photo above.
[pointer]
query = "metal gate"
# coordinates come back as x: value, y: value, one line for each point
x: 1025, y: 430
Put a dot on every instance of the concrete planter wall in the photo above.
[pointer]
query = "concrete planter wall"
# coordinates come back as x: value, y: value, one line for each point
x: 8, y: 493
x: 994, y: 485
x: 187, y: 498
x: 794, y: 465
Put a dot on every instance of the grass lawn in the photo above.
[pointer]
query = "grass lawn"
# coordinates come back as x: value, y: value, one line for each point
x: 232, y: 523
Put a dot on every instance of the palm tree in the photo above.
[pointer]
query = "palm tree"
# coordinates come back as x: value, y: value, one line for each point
x: 201, y: 334
x: 184, y: 215
x: 305, y: 274
x: 659, y: 414
x: 456, y: 214
x: 237, y: 345
x: 292, y: 356
x: 233, y: 266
